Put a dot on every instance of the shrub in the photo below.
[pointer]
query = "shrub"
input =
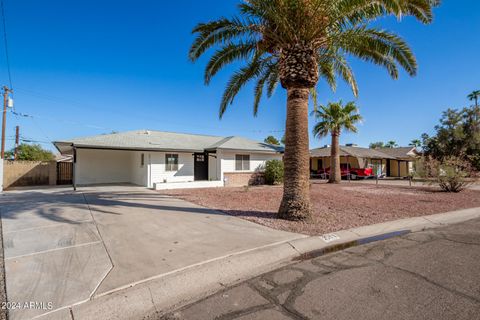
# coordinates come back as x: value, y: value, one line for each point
x: 451, y: 174
x: 274, y: 172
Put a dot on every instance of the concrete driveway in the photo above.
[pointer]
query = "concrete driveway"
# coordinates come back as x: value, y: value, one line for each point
x: 63, y: 248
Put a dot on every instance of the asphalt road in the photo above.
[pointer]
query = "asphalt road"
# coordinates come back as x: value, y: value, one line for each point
x: 425, y: 275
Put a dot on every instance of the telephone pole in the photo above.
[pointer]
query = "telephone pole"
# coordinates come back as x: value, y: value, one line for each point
x: 17, y: 140
x: 6, y: 91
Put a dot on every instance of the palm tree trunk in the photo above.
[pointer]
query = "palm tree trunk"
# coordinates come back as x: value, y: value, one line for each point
x: 296, y: 194
x: 335, y: 171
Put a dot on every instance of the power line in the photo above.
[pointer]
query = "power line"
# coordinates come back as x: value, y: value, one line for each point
x: 6, y: 44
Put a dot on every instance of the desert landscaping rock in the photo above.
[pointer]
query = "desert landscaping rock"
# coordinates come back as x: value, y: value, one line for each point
x: 336, y: 207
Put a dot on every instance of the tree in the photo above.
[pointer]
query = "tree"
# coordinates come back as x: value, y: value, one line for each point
x: 391, y: 144
x: 457, y: 135
x: 31, y: 152
x: 415, y: 143
x: 272, y: 140
x: 376, y: 145
x: 294, y: 43
x: 474, y: 96
x: 333, y: 119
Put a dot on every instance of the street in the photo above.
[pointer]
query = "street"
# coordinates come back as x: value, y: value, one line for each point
x: 432, y: 274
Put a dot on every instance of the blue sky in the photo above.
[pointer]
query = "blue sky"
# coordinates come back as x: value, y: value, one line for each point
x: 91, y: 67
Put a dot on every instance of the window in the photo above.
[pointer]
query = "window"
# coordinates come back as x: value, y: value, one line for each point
x: 242, y: 162
x: 200, y: 157
x: 142, y: 159
x: 171, y: 162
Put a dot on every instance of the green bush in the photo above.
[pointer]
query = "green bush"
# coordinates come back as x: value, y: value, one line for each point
x: 274, y: 172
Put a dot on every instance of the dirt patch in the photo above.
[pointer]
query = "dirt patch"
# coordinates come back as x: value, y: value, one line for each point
x: 336, y: 207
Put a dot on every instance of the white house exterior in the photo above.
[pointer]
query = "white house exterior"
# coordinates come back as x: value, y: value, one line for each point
x: 154, y: 159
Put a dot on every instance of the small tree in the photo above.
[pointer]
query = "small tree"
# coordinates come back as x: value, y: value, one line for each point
x: 376, y: 145
x: 451, y: 174
x: 31, y: 152
x: 272, y: 140
x: 274, y: 172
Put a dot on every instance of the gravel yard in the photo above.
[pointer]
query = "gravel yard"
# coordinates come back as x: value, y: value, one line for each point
x: 336, y: 207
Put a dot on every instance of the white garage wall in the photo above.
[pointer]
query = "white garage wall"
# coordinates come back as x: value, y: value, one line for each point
x: 213, y: 172
x: 102, y: 166
x: 158, y: 174
x: 139, y: 171
x: 257, y: 160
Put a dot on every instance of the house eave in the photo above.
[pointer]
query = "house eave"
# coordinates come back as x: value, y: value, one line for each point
x: 244, y: 150
x: 93, y: 147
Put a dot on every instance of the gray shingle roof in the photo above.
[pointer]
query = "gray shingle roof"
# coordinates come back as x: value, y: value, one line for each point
x: 352, y: 152
x: 239, y: 143
x: 400, y: 153
x: 164, y: 141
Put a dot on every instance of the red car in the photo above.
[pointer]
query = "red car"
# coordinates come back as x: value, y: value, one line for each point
x: 361, y: 173
x: 343, y: 168
x: 355, y: 173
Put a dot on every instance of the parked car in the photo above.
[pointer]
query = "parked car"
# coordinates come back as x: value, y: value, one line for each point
x: 325, y: 173
x: 355, y: 173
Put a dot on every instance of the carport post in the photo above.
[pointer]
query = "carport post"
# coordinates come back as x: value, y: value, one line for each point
x: 73, y: 168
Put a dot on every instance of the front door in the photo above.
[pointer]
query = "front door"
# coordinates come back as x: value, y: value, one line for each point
x: 201, y: 166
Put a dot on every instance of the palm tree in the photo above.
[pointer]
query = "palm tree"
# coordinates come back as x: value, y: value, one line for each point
x: 391, y: 144
x: 294, y: 43
x: 415, y: 143
x: 335, y: 118
x: 474, y: 96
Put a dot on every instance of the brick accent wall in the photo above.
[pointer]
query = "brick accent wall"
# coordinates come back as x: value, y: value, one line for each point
x: 238, y: 179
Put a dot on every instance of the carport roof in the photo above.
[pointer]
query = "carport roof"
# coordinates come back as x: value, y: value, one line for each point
x: 150, y: 140
x: 357, y: 152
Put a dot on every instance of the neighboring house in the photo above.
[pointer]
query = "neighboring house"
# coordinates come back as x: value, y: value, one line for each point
x: 154, y: 158
x: 389, y: 162
x: 404, y: 162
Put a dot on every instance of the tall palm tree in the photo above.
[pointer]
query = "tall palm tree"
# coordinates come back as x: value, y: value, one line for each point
x: 294, y: 43
x: 474, y: 96
x: 333, y: 119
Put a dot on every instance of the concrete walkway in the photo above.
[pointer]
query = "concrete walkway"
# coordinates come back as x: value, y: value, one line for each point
x: 64, y: 248
x: 423, y: 275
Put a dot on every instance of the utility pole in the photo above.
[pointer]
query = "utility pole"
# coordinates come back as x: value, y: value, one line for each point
x: 17, y: 140
x: 6, y: 91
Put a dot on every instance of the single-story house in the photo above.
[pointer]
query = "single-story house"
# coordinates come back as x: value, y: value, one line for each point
x: 388, y: 162
x: 155, y: 159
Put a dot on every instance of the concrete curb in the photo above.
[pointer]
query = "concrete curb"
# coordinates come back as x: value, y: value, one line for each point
x: 177, y: 289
